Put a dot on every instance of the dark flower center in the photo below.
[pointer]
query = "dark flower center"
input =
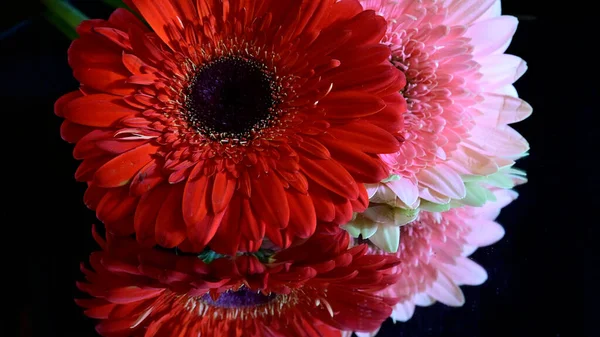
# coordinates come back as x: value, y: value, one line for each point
x: 243, y: 297
x: 231, y: 97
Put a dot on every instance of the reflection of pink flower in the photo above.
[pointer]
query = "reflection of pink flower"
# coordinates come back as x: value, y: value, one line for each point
x: 459, y: 93
x: 434, y: 250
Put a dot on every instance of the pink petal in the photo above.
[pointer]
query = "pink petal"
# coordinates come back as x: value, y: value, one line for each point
x: 501, y: 70
x: 445, y: 291
x: 462, y: 12
x: 444, y: 180
x: 492, y: 36
x: 465, y: 271
x: 436, y: 198
x: 501, y: 141
x: 491, y: 210
x: 471, y: 161
x: 484, y: 233
x: 508, y: 90
x: 494, y: 11
x: 503, y: 109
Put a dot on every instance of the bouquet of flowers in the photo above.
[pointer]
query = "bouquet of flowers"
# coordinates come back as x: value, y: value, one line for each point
x: 289, y: 167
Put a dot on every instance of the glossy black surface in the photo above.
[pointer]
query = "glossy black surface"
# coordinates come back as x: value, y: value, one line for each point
x: 535, y: 285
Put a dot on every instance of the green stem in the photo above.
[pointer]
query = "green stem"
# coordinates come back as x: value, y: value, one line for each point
x: 64, y: 16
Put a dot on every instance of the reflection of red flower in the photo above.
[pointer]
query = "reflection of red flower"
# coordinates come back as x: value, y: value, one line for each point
x: 214, y: 128
x: 316, y: 287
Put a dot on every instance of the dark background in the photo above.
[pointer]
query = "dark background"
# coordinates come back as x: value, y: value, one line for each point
x: 536, y: 273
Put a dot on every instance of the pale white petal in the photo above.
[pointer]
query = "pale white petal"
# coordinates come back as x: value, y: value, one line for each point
x: 383, y: 195
x: 432, y: 207
x: 477, y: 195
x: 361, y: 226
x: 387, y: 238
x: 382, y: 214
x: 371, y: 189
x: 403, y: 216
x: 423, y: 300
x: 403, y: 311
x: 405, y: 190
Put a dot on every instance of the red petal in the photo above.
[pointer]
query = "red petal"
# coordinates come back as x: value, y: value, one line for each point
x: 227, y: 238
x: 60, y: 103
x: 100, y: 110
x: 342, y: 10
x: 72, y: 132
x: 124, y: 19
x: 170, y: 227
x: 110, y: 80
x: 390, y: 118
x: 367, y: 27
x: 120, y: 170
x: 201, y: 233
x: 89, y: 166
x: 371, y: 78
x: 250, y: 227
x: 350, y: 104
x: 365, y: 137
x: 303, y: 219
x: 117, y: 146
x: 93, y: 195
x: 147, y: 211
x: 147, y: 178
x: 360, y: 205
x: 269, y: 201
x: 343, y: 211
x: 115, y: 205
x: 86, y: 147
x: 363, y: 167
x: 131, y: 294
x: 330, y: 175
x: 322, y: 202
x: 100, y: 312
x: 274, y: 234
x: 223, y: 188
x: 314, y: 147
x: 196, y: 197
x: 162, y: 14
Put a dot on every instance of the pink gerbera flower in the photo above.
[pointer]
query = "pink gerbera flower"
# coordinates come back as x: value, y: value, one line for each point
x: 456, y: 141
x: 459, y: 93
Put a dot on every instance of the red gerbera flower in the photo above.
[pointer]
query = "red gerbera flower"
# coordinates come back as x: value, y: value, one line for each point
x: 317, y: 288
x: 232, y: 120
